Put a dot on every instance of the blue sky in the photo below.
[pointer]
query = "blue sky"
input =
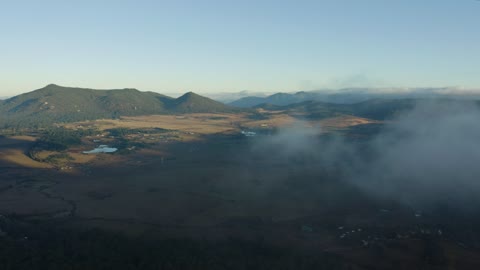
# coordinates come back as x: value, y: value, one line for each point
x: 208, y: 46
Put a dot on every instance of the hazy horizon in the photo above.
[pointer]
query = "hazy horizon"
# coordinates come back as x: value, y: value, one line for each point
x: 260, y: 46
x: 229, y: 95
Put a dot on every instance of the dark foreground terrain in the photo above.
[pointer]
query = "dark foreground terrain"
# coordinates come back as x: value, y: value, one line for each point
x: 298, y: 187
x: 226, y: 202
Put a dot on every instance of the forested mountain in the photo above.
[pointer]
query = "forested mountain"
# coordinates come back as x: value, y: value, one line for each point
x: 193, y: 103
x: 356, y: 95
x: 376, y: 109
x: 55, y: 103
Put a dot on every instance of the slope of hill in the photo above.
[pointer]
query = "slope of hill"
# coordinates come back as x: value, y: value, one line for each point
x: 191, y: 102
x: 356, y: 95
x: 247, y: 102
x: 343, y: 96
x: 228, y: 97
x: 55, y: 103
x: 375, y: 109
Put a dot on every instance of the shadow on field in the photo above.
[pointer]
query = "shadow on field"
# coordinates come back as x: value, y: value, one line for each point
x: 223, y: 200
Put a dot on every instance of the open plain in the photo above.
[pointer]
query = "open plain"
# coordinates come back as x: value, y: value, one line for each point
x: 198, y: 176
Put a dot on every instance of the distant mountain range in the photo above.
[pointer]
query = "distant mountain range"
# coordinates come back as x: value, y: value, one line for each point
x: 374, y: 109
x: 354, y: 95
x: 54, y: 103
x: 228, y: 97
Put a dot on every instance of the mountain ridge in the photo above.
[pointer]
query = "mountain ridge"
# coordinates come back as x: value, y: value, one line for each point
x: 54, y: 103
x: 356, y: 95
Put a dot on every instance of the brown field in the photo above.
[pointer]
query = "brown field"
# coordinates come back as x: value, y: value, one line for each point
x: 208, y: 123
x: 201, y: 123
x: 342, y: 122
x: 13, y: 151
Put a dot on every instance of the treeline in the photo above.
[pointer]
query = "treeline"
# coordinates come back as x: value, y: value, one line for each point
x: 59, y: 138
x: 41, y: 120
x: 122, y: 132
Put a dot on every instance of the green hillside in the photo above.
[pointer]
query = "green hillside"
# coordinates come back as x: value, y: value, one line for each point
x: 191, y: 102
x: 53, y: 104
x: 377, y: 109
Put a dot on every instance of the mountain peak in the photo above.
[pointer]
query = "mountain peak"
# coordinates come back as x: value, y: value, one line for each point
x: 192, y: 102
x: 52, y: 85
x: 54, y: 103
x: 190, y: 93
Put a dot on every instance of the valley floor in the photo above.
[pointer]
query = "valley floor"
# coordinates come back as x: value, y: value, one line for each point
x: 205, y: 181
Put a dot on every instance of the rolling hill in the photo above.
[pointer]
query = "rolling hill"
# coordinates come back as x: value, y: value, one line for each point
x: 375, y: 109
x: 194, y: 103
x: 356, y: 95
x: 342, y: 96
x: 55, y: 103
